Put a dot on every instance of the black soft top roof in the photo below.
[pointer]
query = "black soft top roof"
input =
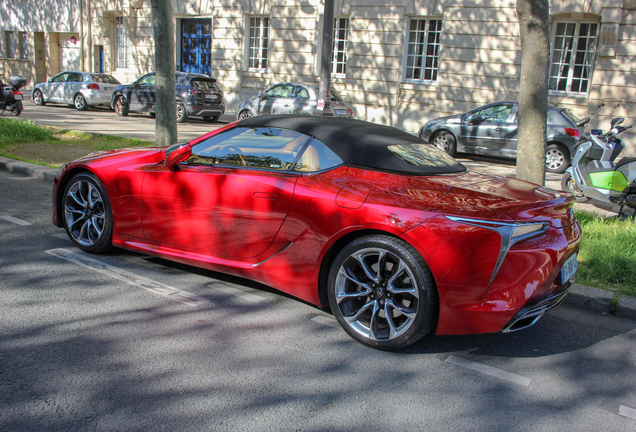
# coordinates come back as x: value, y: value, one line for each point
x: 356, y: 142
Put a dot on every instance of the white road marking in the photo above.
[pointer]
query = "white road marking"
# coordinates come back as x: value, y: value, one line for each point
x: 236, y: 292
x: 627, y: 412
x: 331, y: 322
x: 21, y: 178
x: 488, y: 370
x: 15, y: 220
x: 128, y: 277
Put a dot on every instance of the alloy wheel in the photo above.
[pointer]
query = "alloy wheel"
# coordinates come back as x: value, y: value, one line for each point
x: 245, y: 115
x: 85, y: 214
x: 441, y: 142
x: 554, y: 159
x: 377, y: 294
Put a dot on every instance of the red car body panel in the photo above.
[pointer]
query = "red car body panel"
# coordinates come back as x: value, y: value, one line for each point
x: 277, y: 228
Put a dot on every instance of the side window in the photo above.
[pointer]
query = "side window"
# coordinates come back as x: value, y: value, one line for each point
x: 260, y: 147
x: 74, y: 77
x: 301, y: 92
x: 60, y: 78
x: 317, y: 157
x: 281, y: 90
x: 147, y: 80
x: 492, y: 114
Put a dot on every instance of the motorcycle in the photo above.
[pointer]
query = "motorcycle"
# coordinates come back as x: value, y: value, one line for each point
x: 594, y: 174
x: 10, y: 95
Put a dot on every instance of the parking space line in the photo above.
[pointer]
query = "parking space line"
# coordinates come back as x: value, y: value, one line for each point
x: 627, y: 412
x: 237, y: 292
x: 321, y: 319
x: 489, y: 370
x: 15, y: 220
x: 128, y: 277
x: 142, y: 261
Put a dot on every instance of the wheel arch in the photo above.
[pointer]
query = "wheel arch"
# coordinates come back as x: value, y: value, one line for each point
x: 68, y: 175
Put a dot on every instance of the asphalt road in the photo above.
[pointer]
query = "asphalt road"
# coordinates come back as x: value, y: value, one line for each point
x: 126, y: 342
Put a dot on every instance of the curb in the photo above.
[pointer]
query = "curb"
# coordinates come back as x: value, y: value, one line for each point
x: 594, y: 299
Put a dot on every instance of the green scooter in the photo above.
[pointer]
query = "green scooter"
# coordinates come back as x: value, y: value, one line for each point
x: 593, y: 173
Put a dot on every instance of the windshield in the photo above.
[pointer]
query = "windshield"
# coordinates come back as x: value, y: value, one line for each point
x: 104, y: 79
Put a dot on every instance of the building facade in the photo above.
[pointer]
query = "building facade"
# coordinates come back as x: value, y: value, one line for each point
x: 401, y: 63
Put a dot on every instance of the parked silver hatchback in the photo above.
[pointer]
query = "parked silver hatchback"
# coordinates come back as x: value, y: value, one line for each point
x: 290, y: 98
x: 81, y: 89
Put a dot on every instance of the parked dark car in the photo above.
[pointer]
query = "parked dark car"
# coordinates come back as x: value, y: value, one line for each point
x: 492, y: 130
x: 197, y: 95
x: 290, y: 98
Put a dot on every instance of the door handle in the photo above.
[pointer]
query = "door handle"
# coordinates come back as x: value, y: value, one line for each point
x: 287, y: 105
x: 265, y: 195
x: 498, y: 129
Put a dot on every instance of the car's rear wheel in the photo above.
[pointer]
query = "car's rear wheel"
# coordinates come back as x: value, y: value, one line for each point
x: 80, y: 102
x: 87, y: 214
x: 181, y: 113
x: 557, y: 158
x: 445, y: 141
x: 382, y: 292
x: 211, y: 118
x: 38, y: 98
x: 121, y: 106
x: 245, y: 114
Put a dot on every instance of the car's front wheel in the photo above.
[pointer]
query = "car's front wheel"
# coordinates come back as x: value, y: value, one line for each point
x: 38, y: 98
x: 87, y: 214
x: 121, y: 106
x: 382, y: 292
x: 245, y: 114
x: 80, y: 102
x: 445, y: 141
x: 557, y: 158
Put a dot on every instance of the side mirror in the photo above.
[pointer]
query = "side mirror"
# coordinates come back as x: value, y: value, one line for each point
x: 616, y: 121
x: 583, y: 122
x: 177, y: 154
x: 475, y: 121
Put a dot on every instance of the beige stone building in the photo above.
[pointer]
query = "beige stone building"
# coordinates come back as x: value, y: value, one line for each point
x: 400, y: 62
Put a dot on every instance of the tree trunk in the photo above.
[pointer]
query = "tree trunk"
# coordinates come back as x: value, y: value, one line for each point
x: 165, y: 104
x: 533, y: 89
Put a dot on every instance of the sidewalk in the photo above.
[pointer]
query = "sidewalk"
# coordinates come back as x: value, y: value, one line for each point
x: 595, y: 299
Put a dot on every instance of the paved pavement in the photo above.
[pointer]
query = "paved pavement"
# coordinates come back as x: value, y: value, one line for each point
x: 582, y: 296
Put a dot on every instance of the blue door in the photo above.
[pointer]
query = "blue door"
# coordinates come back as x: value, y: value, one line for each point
x: 196, y: 45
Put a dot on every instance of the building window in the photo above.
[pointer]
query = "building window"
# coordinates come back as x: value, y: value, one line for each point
x: 24, y: 45
x: 573, y: 52
x: 422, y: 50
x: 258, y: 50
x: 10, y: 43
x: 340, y: 41
x: 121, y: 44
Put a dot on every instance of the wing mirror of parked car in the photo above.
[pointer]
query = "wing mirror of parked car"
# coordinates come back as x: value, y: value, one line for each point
x: 583, y: 122
x: 475, y: 121
x: 177, y: 154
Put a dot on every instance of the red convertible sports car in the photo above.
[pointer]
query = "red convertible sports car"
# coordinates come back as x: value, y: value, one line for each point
x: 397, y: 238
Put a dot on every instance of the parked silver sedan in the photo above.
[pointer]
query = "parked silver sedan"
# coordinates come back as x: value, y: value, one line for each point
x: 81, y: 89
x: 290, y: 98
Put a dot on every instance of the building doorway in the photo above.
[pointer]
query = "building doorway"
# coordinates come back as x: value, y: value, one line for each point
x: 196, y: 45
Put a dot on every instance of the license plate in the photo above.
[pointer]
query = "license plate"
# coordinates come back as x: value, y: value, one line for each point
x: 340, y: 111
x: 18, y: 97
x: 569, y: 269
x: 213, y: 97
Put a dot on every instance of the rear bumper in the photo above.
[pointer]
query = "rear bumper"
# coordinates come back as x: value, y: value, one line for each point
x: 530, y: 314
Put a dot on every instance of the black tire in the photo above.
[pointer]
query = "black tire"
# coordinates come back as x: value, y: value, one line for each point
x: 211, y: 119
x: 16, y: 112
x: 38, y: 98
x: 80, y: 102
x: 245, y: 114
x: 152, y: 114
x: 404, y: 288
x: 557, y: 158
x: 567, y: 185
x: 121, y: 106
x: 87, y: 214
x: 182, y: 115
x: 445, y: 141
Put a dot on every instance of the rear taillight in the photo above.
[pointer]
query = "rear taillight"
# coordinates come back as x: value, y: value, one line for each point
x: 194, y: 91
x: 93, y: 86
x: 574, y: 133
x: 18, y: 92
x: 351, y: 112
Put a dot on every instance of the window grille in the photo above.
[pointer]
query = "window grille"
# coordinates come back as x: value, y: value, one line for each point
x: 423, y: 49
